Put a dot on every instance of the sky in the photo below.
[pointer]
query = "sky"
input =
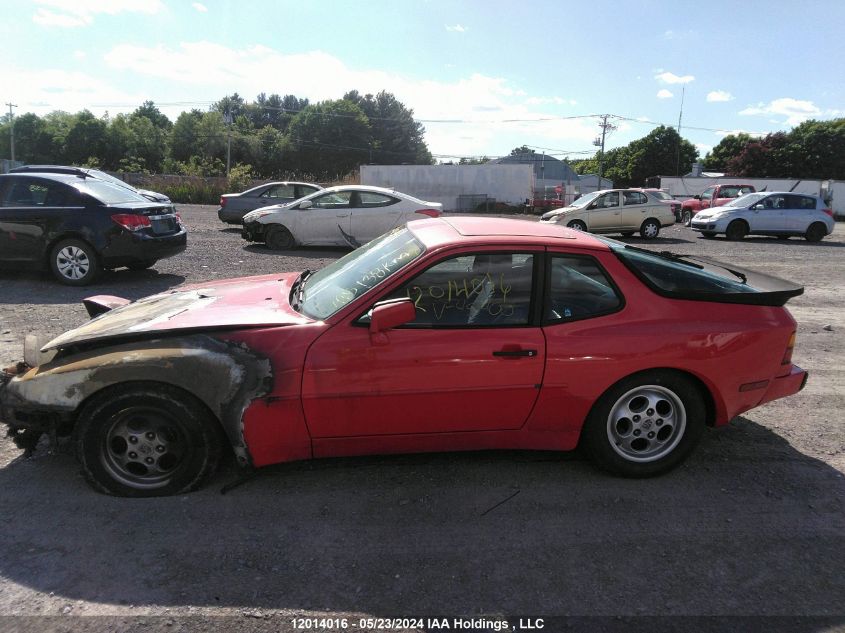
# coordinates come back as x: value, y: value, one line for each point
x: 482, y: 76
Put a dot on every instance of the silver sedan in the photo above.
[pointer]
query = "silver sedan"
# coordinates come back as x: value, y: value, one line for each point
x: 234, y: 206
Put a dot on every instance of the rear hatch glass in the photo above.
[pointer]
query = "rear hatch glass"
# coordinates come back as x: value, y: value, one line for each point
x: 703, y: 279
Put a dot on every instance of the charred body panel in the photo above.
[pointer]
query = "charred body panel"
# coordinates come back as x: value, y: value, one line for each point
x: 226, y: 376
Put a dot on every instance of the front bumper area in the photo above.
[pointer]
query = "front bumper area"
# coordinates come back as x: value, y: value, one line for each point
x: 27, y: 423
x: 253, y: 232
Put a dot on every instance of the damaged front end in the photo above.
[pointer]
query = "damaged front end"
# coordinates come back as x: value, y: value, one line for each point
x: 225, y: 376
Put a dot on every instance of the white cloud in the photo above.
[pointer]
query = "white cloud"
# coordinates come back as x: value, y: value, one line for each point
x: 672, y: 78
x: 491, y: 111
x: 79, y: 54
x: 550, y: 100
x: 795, y: 110
x: 703, y: 148
x: 73, y: 13
x: 457, y: 28
x: 664, y: 94
x: 62, y: 21
x: 719, y: 95
x: 200, y: 7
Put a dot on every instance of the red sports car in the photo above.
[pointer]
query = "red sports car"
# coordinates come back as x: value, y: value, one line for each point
x: 446, y: 334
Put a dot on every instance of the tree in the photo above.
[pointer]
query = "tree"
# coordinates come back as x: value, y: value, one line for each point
x: 331, y: 138
x: 770, y: 157
x: 661, y: 152
x: 149, y: 111
x: 85, y: 137
x: 33, y: 142
x: 729, y: 147
x: 184, y: 141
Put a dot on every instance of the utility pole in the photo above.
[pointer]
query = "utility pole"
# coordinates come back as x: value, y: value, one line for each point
x: 227, y: 119
x: 605, y: 128
x: 12, y: 127
x: 680, y: 116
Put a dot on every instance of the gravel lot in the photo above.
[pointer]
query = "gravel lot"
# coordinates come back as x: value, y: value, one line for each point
x: 752, y: 524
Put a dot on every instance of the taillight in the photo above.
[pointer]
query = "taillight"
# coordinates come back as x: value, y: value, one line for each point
x: 787, y: 355
x: 132, y: 221
x: 178, y: 217
x: 432, y: 213
x: 828, y: 211
x: 222, y: 201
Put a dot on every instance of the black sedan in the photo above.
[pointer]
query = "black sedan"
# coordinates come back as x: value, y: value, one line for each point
x: 234, y: 206
x: 78, y: 226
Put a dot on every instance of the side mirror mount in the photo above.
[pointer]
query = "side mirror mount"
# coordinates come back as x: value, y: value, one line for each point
x: 390, y: 314
x: 305, y: 204
x: 697, y: 197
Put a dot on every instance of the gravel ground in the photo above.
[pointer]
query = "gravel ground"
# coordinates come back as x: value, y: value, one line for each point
x: 751, y: 525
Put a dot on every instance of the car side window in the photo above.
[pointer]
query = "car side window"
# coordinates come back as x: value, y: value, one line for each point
x: 774, y: 203
x: 479, y: 290
x: 369, y: 199
x: 279, y: 191
x: 800, y: 202
x: 334, y: 200
x: 579, y: 288
x: 37, y: 193
x: 608, y: 200
x: 302, y: 191
x: 707, y: 193
x: 634, y: 197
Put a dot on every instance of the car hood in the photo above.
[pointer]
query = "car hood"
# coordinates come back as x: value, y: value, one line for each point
x: 231, y: 303
x: 549, y: 215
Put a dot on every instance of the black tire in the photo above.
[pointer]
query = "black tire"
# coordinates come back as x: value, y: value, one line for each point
x: 619, y: 444
x: 179, y: 443
x: 577, y: 225
x: 783, y: 237
x: 627, y: 233
x: 141, y: 265
x: 650, y: 229
x: 686, y: 217
x: 736, y: 230
x: 815, y: 232
x: 74, y: 262
x: 708, y: 235
x: 278, y: 238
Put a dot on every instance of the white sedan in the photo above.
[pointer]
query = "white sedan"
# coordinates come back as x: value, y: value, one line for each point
x: 348, y: 215
x: 779, y: 213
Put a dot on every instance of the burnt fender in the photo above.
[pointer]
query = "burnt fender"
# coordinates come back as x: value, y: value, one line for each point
x: 226, y: 376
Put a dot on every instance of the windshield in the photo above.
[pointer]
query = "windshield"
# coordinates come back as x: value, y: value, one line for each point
x: 108, y: 193
x: 336, y: 285
x: 745, y: 201
x: 583, y: 201
x: 110, y: 179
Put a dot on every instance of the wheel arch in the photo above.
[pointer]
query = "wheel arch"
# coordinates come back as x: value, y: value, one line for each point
x: 710, y: 404
x: 66, y: 235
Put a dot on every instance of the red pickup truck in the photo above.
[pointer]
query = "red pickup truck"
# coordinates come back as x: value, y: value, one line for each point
x: 713, y: 196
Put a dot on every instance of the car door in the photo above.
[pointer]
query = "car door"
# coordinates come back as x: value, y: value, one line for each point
x: 373, y: 214
x: 635, y: 209
x: 799, y: 213
x: 706, y: 197
x: 27, y: 207
x: 325, y: 220
x: 605, y: 212
x: 472, y: 360
x: 768, y: 214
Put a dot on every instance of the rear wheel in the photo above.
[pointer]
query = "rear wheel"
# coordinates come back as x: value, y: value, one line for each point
x: 147, y: 440
x: 736, y: 230
x: 646, y: 424
x: 278, y: 238
x: 815, y: 232
x: 627, y: 233
x: 74, y: 262
x: 650, y: 229
x: 577, y: 225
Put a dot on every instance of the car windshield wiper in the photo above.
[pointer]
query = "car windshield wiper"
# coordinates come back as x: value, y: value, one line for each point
x: 297, y: 291
x: 680, y: 258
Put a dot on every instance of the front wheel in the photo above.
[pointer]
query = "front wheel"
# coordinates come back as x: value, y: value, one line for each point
x: 74, y: 262
x: 686, y: 217
x: 577, y: 225
x: 815, y: 232
x: 645, y: 425
x: 650, y: 229
x: 708, y: 235
x: 736, y: 230
x: 147, y: 440
x: 278, y: 238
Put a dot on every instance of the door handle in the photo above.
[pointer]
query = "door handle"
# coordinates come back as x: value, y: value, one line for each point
x: 515, y: 353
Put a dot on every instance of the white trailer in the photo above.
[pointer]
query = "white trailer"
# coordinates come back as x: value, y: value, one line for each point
x: 451, y: 184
